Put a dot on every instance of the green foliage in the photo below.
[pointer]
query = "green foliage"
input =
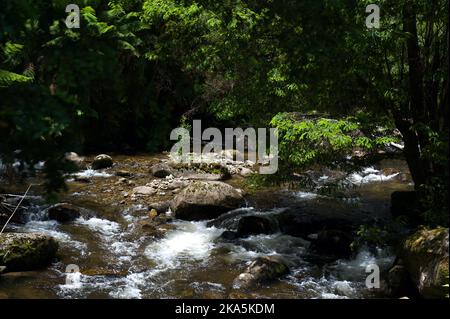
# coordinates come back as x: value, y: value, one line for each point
x: 307, y: 140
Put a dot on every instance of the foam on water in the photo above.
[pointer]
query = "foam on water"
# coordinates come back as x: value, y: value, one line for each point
x: 368, y: 175
x: 104, y: 227
x: 305, y: 195
x: 51, y: 228
x: 192, y: 241
x: 88, y: 173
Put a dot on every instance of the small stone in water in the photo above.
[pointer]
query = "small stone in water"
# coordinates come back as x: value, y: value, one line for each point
x: 153, y: 213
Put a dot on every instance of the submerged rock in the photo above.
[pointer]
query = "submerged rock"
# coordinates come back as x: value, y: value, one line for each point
x: 426, y: 258
x: 64, y: 212
x: 254, y: 225
x: 205, y: 200
x: 261, y: 270
x: 102, y: 161
x: 150, y: 229
x: 26, y: 251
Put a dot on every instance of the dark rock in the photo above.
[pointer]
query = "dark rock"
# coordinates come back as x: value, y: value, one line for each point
x: 399, y: 283
x: 300, y: 224
x: 162, y: 170
x: 102, y: 161
x: 26, y: 251
x: 254, y: 225
x: 228, y: 235
x: 333, y: 242
x: 64, y: 212
x: 262, y: 270
x: 205, y: 200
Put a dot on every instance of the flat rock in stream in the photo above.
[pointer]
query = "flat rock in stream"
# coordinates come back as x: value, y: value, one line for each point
x: 206, y: 200
x: 26, y: 251
x: 262, y: 270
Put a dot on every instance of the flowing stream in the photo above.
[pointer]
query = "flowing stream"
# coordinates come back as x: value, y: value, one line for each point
x: 191, y: 261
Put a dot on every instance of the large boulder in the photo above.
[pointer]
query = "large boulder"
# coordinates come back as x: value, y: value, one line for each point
x: 425, y: 257
x: 102, y: 161
x: 254, y: 225
x: 63, y: 212
x: 26, y: 251
x: 260, y: 271
x: 205, y: 200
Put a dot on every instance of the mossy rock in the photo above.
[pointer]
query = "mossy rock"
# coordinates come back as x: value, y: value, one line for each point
x: 26, y: 251
x: 426, y: 258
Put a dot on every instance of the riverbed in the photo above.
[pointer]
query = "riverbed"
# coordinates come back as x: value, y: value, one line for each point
x: 116, y: 260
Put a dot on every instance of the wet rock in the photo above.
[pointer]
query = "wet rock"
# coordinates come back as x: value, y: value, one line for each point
x: 144, y: 190
x: 426, y: 258
x: 162, y: 170
x: 26, y: 251
x: 262, y: 270
x: 79, y: 161
x: 205, y: 200
x: 406, y: 203
x: 300, y: 224
x: 228, y: 235
x: 160, y: 207
x: 254, y: 225
x: 150, y: 229
x: 102, y: 161
x: 64, y: 212
x: 333, y: 242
